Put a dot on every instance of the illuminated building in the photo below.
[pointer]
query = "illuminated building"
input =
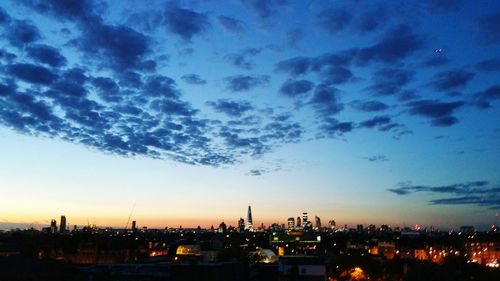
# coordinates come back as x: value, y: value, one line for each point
x: 332, y: 224
x: 222, y: 228
x: 249, y: 222
x: 317, y: 222
x: 299, y: 223
x: 304, y: 219
x: 241, y: 225
x: 62, y: 226
x: 291, y: 223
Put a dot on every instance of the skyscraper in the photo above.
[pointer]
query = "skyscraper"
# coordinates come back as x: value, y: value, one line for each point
x: 249, y: 222
x: 241, y: 225
x: 317, y: 223
x: 53, y: 226
x: 291, y: 223
x: 304, y: 219
x: 299, y: 223
x: 134, y: 226
x: 62, y: 226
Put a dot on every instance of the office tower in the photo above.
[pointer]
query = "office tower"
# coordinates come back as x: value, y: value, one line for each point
x: 134, y: 225
x: 62, y: 226
x: 359, y: 228
x: 304, y: 219
x: 249, y: 222
x: 317, y: 221
x: 222, y: 228
x: 299, y: 223
x: 332, y: 224
x: 241, y: 225
x: 53, y: 226
x: 291, y: 223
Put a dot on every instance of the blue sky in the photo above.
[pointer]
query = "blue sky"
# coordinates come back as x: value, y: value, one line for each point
x: 358, y: 111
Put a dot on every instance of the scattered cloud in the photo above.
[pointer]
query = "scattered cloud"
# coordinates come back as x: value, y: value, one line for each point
x: 184, y: 22
x: 439, y: 112
x: 396, y: 45
x: 242, y: 59
x: 242, y: 83
x: 389, y: 81
x: 376, y: 158
x: 451, y: 80
x: 369, y: 106
x: 483, y: 99
x: 293, y: 88
x: 488, y: 27
x: 231, y: 24
x: 334, y: 20
x: 480, y: 193
x: 489, y: 65
x: 46, y: 54
x: 231, y: 108
x: 193, y: 79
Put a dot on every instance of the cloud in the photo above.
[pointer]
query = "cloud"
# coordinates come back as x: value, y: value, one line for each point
x: 444, y: 5
x: 334, y: 20
x: 193, y: 79
x: 31, y: 73
x: 396, y: 45
x: 61, y: 9
x: 231, y: 24
x: 435, y: 61
x: 241, y: 83
x: 257, y: 172
x: 242, y: 59
x: 325, y: 101
x: 4, y: 17
x: 480, y: 193
x: 488, y: 28
x: 369, y: 106
x: 489, y: 65
x: 451, y: 80
x: 231, y: 108
x: 127, y: 50
x: 389, y: 81
x: 264, y: 9
x: 185, y: 23
x: 439, y: 112
x: 376, y: 158
x: 378, y: 121
x: 294, y: 66
x: 371, y: 20
x: 332, y: 127
x: 483, y: 99
x: 293, y: 88
x: 46, y: 54
x: 22, y: 32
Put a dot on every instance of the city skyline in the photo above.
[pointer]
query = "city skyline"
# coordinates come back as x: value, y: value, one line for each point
x: 185, y: 112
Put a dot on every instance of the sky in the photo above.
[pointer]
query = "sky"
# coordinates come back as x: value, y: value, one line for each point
x: 185, y: 112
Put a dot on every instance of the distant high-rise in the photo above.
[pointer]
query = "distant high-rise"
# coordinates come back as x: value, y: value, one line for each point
x: 317, y: 223
x: 241, y: 225
x: 249, y: 222
x: 53, y: 226
x: 62, y: 226
x: 134, y: 225
x: 222, y: 228
x: 291, y: 223
x: 299, y: 223
x: 304, y: 219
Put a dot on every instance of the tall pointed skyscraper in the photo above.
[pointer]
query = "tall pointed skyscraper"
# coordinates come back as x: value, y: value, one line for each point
x: 249, y: 222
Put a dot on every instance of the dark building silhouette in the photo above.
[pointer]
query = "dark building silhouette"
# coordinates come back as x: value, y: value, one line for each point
x: 62, y: 225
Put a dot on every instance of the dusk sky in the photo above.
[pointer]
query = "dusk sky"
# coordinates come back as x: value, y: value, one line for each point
x: 187, y: 111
